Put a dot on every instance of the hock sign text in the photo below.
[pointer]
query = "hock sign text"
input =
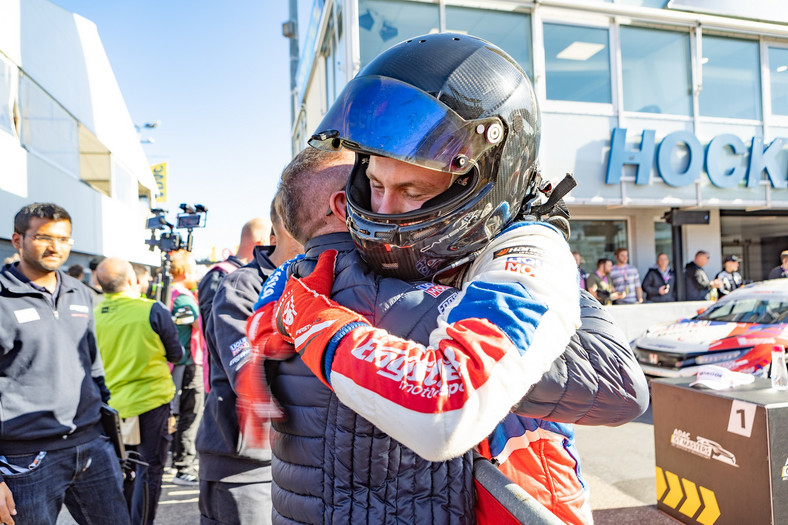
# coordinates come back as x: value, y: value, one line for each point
x: 722, y: 156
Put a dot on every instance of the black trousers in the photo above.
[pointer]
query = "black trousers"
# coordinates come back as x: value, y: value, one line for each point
x: 190, y: 408
x: 154, y: 443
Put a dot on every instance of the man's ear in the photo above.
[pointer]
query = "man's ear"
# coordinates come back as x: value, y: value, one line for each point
x: 338, y: 204
x: 16, y: 240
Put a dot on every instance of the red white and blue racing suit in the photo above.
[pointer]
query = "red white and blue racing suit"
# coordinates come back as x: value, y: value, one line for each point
x: 515, y: 314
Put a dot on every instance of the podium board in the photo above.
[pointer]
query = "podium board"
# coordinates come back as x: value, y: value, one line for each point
x: 721, y: 455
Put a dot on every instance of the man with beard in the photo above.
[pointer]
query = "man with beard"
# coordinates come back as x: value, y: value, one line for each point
x: 52, y: 381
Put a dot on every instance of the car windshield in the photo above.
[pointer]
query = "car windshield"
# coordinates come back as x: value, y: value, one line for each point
x: 756, y: 310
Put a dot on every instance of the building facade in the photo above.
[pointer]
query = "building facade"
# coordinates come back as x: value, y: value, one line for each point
x: 66, y: 135
x: 653, y: 105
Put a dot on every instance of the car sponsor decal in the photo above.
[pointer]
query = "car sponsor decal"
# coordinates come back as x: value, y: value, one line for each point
x: 701, y: 446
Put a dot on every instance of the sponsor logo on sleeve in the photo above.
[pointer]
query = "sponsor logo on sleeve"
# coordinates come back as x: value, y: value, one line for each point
x: 239, y: 345
x: 532, y: 251
x: 522, y: 265
x: 448, y: 302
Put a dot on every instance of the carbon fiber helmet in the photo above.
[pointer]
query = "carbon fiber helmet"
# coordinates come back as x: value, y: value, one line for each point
x: 447, y: 102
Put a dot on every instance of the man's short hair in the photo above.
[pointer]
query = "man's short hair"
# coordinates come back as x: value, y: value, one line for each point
x: 602, y: 261
x: 180, y: 263
x: 139, y: 270
x: 114, y: 282
x: 39, y: 210
x: 619, y: 250
x: 702, y: 252
x: 299, y: 189
x: 77, y: 271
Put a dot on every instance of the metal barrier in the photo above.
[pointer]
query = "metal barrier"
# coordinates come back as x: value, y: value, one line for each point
x: 512, y: 503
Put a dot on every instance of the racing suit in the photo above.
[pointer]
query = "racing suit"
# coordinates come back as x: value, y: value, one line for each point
x: 609, y: 388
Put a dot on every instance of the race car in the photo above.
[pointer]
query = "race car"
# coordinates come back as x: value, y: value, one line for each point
x: 737, y: 332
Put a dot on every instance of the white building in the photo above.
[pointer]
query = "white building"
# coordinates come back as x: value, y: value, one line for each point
x: 66, y: 135
x: 691, y: 94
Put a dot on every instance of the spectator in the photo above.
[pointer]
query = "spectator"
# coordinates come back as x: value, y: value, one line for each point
x: 598, y: 283
x: 52, y: 385
x: 699, y: 288
x: 582, y: 274
x: 77, y: 271
x: 143, y: 279
x: 781, y: 271
x: 137, y: 338
x: 188, y: 374
x: 625, y: 279
x: 235, y: 478
x: 729, y: 276
x: 659, y: 282
x: 95, y: 287
x: 253, y: 234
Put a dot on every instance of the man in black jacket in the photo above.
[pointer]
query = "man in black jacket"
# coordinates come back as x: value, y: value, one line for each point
x: 52, y: 380
x: 699, y: 288
x: 659, y: 282
x: 235, y: 480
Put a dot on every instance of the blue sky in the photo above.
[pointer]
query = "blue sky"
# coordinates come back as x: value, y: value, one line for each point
x: 216, y: 74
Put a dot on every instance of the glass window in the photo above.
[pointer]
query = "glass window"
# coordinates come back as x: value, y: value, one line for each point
x: 595, y: 239
x: 47, y: 128
x: 577, y: 63
x: 663, y: 241
x: 731, y: 78
x: 656, y: 71
x: 509, y: 31
x: 7, y: 80
x: 778, y: 69
x: 383, y: 23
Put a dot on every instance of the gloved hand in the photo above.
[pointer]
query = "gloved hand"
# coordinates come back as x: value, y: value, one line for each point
x: 313, y: 322
x: 255, y: 405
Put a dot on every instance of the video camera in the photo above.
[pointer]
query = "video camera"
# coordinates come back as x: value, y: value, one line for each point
x: 168, y: 240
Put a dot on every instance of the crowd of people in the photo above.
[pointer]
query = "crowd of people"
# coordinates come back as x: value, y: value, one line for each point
x: 412, y: 310
x: 621, y: 284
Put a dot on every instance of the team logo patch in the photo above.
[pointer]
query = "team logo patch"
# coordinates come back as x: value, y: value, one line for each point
x: 239, y: 345
x: 522, y: 265
x: 519, y: 250
x: 432, y: 289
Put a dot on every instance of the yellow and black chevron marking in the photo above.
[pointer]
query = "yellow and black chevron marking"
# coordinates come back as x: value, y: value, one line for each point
x: 670, y: 486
